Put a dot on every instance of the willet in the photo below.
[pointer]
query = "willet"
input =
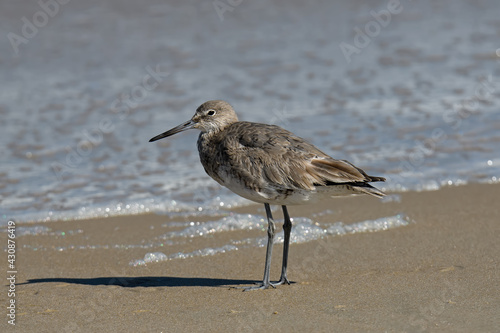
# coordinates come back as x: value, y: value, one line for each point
x: 270, y: 165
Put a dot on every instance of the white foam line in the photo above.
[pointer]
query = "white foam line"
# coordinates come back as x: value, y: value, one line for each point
x: 304, y: 231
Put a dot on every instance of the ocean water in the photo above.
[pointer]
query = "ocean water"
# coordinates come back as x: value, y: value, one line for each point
x: 412, y: 96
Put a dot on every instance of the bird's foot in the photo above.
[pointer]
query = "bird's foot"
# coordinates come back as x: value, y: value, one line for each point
x: 282, y: 280
x: 259, y: 286
x: 266, y: 285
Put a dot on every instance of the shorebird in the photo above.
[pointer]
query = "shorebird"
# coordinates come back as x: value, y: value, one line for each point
x: 270, y: 165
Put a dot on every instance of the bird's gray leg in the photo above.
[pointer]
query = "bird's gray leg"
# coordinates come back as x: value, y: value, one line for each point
x: 270, y: 240
x: 287, y: 229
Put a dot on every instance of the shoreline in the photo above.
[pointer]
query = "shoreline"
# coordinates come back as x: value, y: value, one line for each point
x: 149, y: 211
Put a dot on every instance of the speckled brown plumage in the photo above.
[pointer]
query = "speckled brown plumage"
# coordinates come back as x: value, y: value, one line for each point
x: 271, y: 159
x: 269, y: 165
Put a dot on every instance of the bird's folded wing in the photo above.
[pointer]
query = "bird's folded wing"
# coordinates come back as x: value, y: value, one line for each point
x: 280, y: 158
x: 329, y: 170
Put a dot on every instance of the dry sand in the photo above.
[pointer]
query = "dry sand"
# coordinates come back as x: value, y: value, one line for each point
x: 439, y: 274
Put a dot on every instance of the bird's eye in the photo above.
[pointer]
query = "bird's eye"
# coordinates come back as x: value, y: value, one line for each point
x: 211, y: 112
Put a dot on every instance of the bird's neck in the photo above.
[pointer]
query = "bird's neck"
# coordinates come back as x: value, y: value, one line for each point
x: 215, y: 130
x: 209, y: 135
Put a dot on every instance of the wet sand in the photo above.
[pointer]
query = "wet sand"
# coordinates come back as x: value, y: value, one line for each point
x: 438, y: 274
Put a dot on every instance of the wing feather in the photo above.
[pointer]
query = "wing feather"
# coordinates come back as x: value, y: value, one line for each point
x: 270, y: 155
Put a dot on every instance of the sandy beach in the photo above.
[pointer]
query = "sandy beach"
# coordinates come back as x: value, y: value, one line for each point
x: 438, y: 274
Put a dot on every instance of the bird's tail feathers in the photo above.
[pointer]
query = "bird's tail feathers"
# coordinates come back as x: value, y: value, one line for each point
x: 368, y: 189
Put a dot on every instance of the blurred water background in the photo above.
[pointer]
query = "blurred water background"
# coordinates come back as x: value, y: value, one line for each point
x: 407, y: 90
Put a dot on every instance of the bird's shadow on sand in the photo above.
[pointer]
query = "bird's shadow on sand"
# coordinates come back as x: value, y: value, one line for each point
x: 146, y: 281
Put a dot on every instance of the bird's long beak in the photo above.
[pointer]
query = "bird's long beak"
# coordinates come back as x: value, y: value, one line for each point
x: 182, y: 127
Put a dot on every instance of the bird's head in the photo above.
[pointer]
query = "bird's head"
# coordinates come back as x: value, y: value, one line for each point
x: 211, y: 116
